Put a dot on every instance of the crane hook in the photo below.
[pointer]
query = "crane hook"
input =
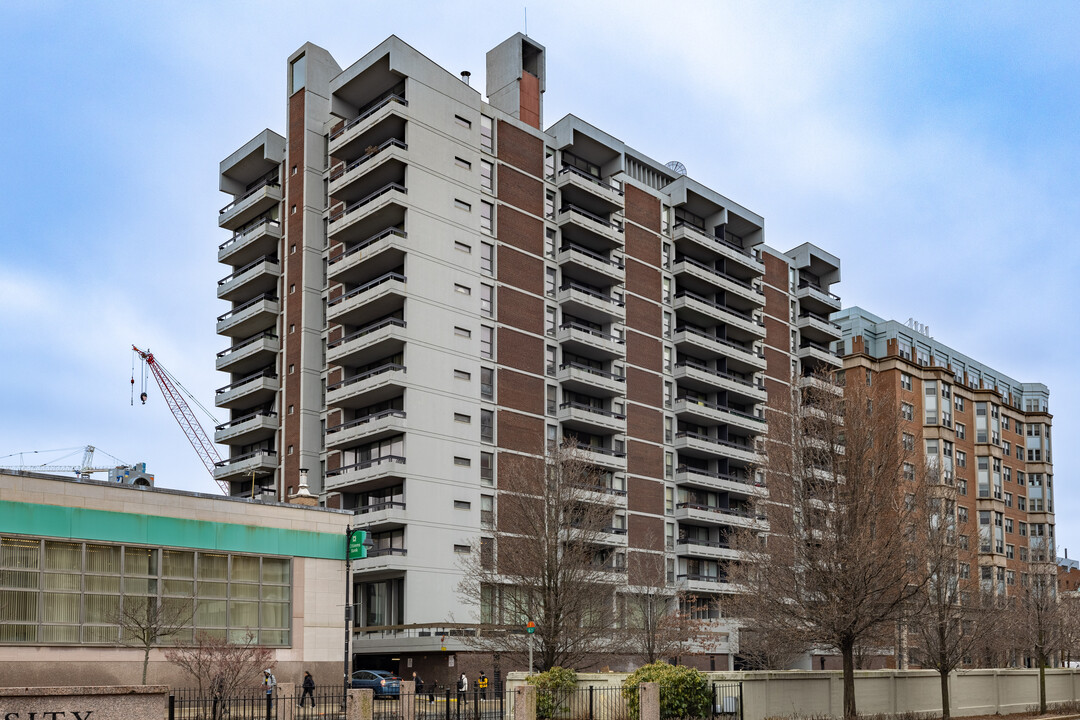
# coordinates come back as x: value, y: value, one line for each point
x: 142, y: 396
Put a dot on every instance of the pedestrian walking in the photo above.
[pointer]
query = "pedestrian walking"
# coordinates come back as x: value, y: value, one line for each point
x: 462, y: 690
x: 309, y: 689
x: 269, y: 683
x: 482, y: 685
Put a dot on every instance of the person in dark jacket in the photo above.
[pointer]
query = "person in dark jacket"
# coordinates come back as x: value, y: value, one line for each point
x: 309, y: 689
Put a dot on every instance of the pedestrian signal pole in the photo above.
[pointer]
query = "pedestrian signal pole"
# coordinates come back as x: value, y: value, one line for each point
x: 530, y: 628
x: 357, y: 543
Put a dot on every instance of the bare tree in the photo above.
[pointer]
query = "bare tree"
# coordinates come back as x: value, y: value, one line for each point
x: 146, y: 622
x: 761, y: 650
x: 548, y: 559
x: 659, y: 621
x: 220, y: 667
x: 840, y: 560
x: 1042, y: 623
x: 944, y: 625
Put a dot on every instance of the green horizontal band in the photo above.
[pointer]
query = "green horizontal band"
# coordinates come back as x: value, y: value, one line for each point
x: 107, y: 526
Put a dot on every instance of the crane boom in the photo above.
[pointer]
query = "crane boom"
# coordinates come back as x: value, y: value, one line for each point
x: 184, y: 416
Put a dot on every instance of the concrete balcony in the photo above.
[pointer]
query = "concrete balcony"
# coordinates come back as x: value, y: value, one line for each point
x: 814, y: 298
x: 260, y: 463
x: 247, y: 430
x: 382, y: 516
x: 381, y: 562
x: 580, y: 416
x: 741, y: 358
x: 251, y: 243
x: 741, y: 325
x: 707, y: 549
x: 705, y: 446
x: 347, y: 221
x: 249, y: 391
x: 589, y: 380
x: 583, y: 340
x: 376, y: 472
x: 373, y: 256
x: 591, y: 266
x: 698, y: 377
x: 704, y: 584
x: 372, y: 300
x: 594, y: 224
x: 379, y: 339
x: 713, y: 515
x: 689, y: 268
x: 255, y: 278
x: 601, y: 495
x: 737, y: 484
x: 718, y: 246
x: 589, y: 192
x: 351, y: 132
x: 255, y: 315
x: 602, y: 457
x: 349, y: 182
x: 816, y: 354
x: 366, y: 429
x: 810, y: 381
x: 250, y: 205
x: 367, y: 388
x: 706, y: 413
x: 590, y: 304
x: 817, y: 328
x: 249, y: 355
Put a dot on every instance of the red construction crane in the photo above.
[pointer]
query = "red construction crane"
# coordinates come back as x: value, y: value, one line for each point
x: 170, y: 389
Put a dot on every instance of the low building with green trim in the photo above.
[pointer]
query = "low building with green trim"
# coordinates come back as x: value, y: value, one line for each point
x: 73, y: 553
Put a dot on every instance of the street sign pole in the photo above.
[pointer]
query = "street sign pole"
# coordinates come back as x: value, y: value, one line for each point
x: 530, y: 628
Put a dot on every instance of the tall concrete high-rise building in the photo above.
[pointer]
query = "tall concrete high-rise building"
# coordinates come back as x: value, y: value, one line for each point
x: 423, y: 283
x: 989, y: 434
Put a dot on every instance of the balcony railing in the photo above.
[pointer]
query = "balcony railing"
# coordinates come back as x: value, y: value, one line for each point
x: 591, y: 409
x: 241, y: 234
x: 723, y: 308
x: 268, y: 373
x: 375, y: 107
x: 341, y: 168
x: 240, y: 308
x: 703, y: 543
x: 714, y: 238
x: 591, y: 216
x: 736, y: 512
x: 592, y: 331
x: 715, y: 441
x: 264, y: 259
x: 376, y: 507
x: 388, y: 277
x: 819, y: 318
x: 718, y: 273
x: 593, y: 371
x: 383, y: 552
x: 717, y: 373
x: 244, y: 343
x: 713, y: 338
x: 813, y: 286
x: 606, y: 489
x: 367, y: 330
x: 571, y: 285
x: 271, y: 182
x: 365, y: 420
x: 241, y: 458
x: 366, y: 199
x: 368, y: 242
x: 723, y: 408
x: 388, y: 367
x: 611, y: 530
x: 699, y: 577
x: 575, y: 248
x: 365, y: 464
x: 818, y: 346
x: 601, y: 450
x: 613, y: 185
x: 244, y: 419
x: 719, y: 476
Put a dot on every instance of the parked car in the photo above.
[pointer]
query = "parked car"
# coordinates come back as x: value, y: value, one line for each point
x: 383, y: 683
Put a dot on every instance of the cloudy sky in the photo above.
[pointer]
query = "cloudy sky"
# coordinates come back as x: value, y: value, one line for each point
x: 932, y: 147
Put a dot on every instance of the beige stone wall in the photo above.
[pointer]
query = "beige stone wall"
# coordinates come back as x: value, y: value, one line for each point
x: 973, y: 692
x: 147, y: 702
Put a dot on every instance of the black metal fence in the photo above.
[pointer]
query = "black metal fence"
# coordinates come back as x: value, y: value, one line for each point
x: 254, y: 704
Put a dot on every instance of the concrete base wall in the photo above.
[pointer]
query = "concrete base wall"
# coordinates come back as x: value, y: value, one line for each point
x: 147, y: 702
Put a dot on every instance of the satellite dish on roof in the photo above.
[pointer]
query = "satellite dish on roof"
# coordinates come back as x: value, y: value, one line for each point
x: 676, y: 167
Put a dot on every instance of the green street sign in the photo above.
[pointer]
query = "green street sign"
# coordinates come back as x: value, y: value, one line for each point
x: 357, y: 545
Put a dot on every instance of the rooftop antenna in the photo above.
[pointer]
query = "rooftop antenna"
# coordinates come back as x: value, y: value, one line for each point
x: 526, y: 21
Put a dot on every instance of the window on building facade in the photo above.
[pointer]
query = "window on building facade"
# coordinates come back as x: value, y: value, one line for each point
x: 905, y: 381
x: 487, y: 258
x: 487, y: 174
x: 487, y: 134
